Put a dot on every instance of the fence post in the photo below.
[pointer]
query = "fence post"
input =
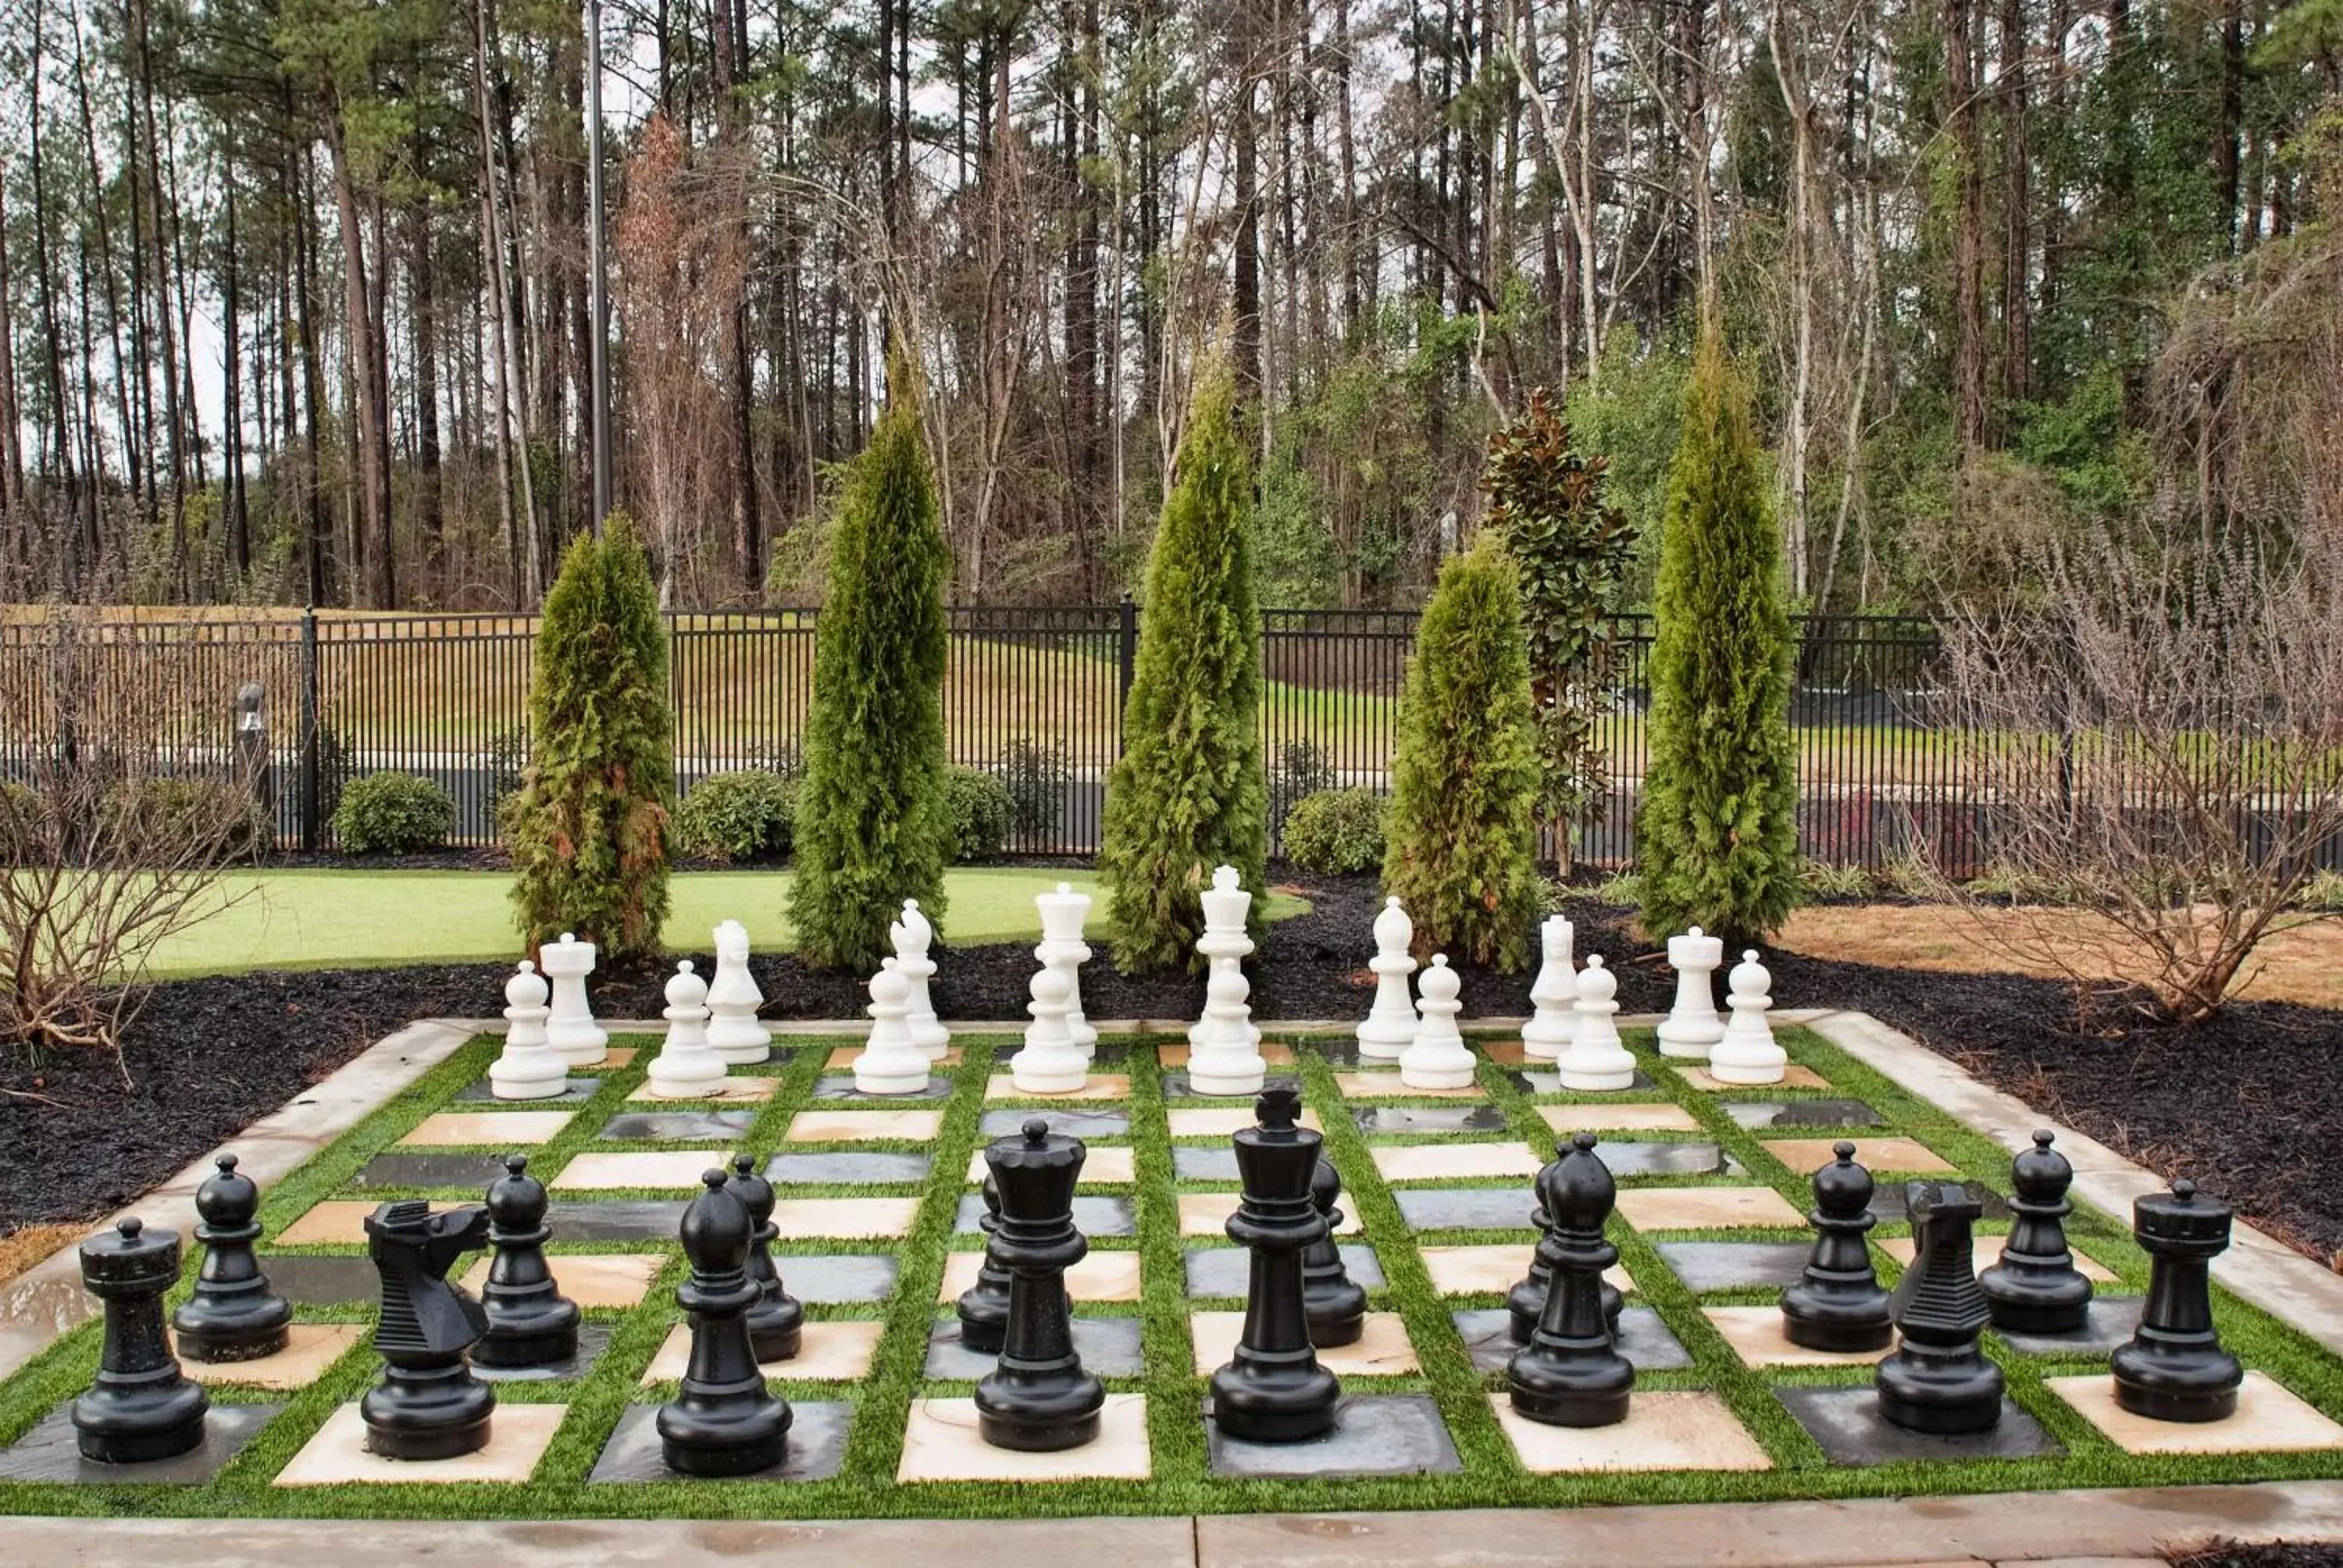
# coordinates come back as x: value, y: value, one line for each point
x: 308, y: 729
x: 1126, y: 662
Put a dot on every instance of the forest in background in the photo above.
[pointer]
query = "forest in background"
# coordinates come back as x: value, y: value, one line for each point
x: 294, y: 291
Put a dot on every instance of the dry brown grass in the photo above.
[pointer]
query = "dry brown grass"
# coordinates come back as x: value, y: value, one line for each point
x: 28, y: 1246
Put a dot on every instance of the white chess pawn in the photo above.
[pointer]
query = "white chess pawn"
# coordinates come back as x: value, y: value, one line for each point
x: 1390, y: 1023
x: 892, y: 1062
x: 1225, y: 1060
x: 733, y: 1032
x: 1554, y: 1019
x: 1437, y: 1057
x: 1050, y: 1062
x: 686, y: 1068
x: 1063, y: 949
x: 1224, y: 941
x: 1747, y: 1053
x: 527, y: 1067
x: 572, y: 1029
x: 1692, y: 1026
x: 1596, y: 1059
x: 911, y: 935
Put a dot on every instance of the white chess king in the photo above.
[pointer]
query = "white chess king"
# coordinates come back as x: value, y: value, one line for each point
x: 733, y: 998
x: 892, y: 1062
x: 1692, y: 1025
x: 1596, y: 1060
x: 911, y: 936
x: 686, y: 1068
x: 1391, y: 1022
x: 1748, y: 1053
x: 1553, y: 1019
x: 571, y: 1029
x: 1224, y: 943
x: 1062, y: 912
x: 1437, y: 1058
x: 527, y: 1067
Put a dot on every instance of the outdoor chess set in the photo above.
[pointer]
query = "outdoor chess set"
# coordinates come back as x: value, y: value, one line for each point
x: 1401, y: 1265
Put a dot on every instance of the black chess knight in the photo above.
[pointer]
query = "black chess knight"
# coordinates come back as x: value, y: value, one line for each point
x: 1937, y: 1381
x: 1273, y: 1389
x: 2036, y: 1289
x: 139, y: 1408
x: 531, y: 1322
x: 1837, y: 1303
x: 232, y: 1316
x: 1039, y: 1398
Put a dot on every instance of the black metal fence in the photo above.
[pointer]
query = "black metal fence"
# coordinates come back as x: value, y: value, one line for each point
x: 1033, y: 692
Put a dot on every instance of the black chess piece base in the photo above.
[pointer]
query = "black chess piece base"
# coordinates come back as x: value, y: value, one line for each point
x: 115, y: 1427
x: 2193, y: 1385
x: 216, y: 1342
x: 1039, y: 1415
x: 779, y: 1336
x: 983, y: 1328
x: 2067, y: 1312
x: 1270, y: 1403
x: 1924, y: 1390
x: 729, y: 1446
x: 428, y: 1413
x: 1526, y: 1300
x: 1841, y: 1318
x: 505, y: 1345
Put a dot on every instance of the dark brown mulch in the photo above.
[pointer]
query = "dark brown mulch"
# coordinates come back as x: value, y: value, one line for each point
x: 2275, y: 1554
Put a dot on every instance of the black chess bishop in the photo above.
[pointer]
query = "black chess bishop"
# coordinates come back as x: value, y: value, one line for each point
x: 723, y: 1420
x: 1272, y: 1389
x: 428, y: 1405
x: 1837, y: 1302
x: 233, y: 1315
x: 1570, y: 1371
x: 139, y: 1408
x: 531, y: 1322
x: 1937, y: 1381
x: 2036, y: 1289
x: 777, y: 1322
x: 2174, y: 1367
x: 1525, y: 1302
x: 1335, y: 1302
x: 983, y: 1307
x: 1039, y: 1398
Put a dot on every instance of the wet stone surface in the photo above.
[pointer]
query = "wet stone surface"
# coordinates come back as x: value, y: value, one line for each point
x: 1177, y: 1087
x: 1108, y: 1347
x: 51, y: 1451
x: 816, y: 1451
x: 1545, y: 1080
x: 1224, y: 1271
x: 865, y: 1167
x: 593, y: 1339
x: 572, y: 1090
x: 1847, y: 1422
x: 838, y: 1279
x: 322, y: 1281
x: 1643, y: 1339
x: 1784, y: 1113
x: 1888, y: 1201
x: 1073, y: 1123
x: 1373, y: 1119
x: 2111, y: 1321
x: 1629, y: 1158
x: 465, y: 1170
x: 1374, y: 1434
x: 1208, y: 1163
x: 1467, y: 1207
x: 621, y: 1220
x: 677, y: 1126
x: 1094, y: 1215
x: 1734, y: 1265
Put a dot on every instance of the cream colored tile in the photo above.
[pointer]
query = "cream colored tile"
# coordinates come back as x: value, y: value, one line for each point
x: 1271, y: 1053
x: 1988, y: 1253
x: 1102, y: 1276
x: 592, y: 1279
x: 1511, y: 1052
x: 518, y: 1435
x: 679, y: 1168
x: 1454, y: 1161
x: 1705, y: 1208
x: 1382, y: 1349
x: 335, y: 1219
x: 1097, y: 1086
x: 485, y: 1128
x: 1681, y: 1431
x: 1108, y: 1166
x: 1756, y: 1337
x: 854, y: 1219
x: 2270, y: 1418
x: 1387, y: 1086
x: 616, y: 1056
x: 857, y: 1126
x: 1807, y: 1155
x: 310, y: 1350
x: 1207, y: 1214
x: 1490, y: 1267
x: 1608, y: 1117
x: 1795, y: 1075
x: 940, y: 1442
x: 734, y: 1091
x: 1219, y: 1121
x: 836, y: 1351
x: 845, y: 1056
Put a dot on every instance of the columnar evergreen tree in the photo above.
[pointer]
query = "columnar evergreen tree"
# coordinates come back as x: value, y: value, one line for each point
x: 1190, y: 792
x: 873, y: 824
x: 1462, y: 852
x: 1717, y: 835
x: 589, y: 825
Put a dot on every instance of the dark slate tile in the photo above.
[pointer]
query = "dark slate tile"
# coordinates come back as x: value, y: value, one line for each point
x: 1428, y: 1118
x: 1177, y: 1087
x: 1662, y: 1157
x: 1847, y: 1422
x: 593, y: 1339
x: 1074, y: 1123
x: 51, y: 1452
x: 1374, y: 1434
x: 1108, y: 1347
x: 572, y: 1090
x: 838, y: 1279
x: 466, y: 1171
x: 1788, y: 1113
x: 865, y: 1167
x: 1210, y: 1162
x: 677, y: 1126
x: 312, y: 1281
x: 1734, y: 1265
x: 616, y: 1218
x: 817, y: 1447
x: 1546, y: 1080
x: 1094, y: 1215
x: 842, y: 1088
x: 1644, y: 1338
x: 1465, y: 1208
x: 1223, y: 1270
x: 1887, y: 1200
x: 2111, y: 1321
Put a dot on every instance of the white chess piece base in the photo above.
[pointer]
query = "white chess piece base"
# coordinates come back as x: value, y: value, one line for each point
x: 535, y: 1075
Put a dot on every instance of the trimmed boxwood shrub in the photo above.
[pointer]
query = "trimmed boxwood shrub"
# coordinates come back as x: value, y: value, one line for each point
x: 749, y: 815
x: 982, y: 813
x: 392, y: 813
x: 1336, y: 832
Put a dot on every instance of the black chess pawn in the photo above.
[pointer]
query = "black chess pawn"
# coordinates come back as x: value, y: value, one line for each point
x: 1335, y: 1302
x: 1525, y: 1302
x: 1837, y: 1303
x: 233, y: 1315
x: 2174, y: 1368
x: 723, y: 1420
x: 1570, y: 1372
x: 428, y: 1405
x: 1937, y: 1381
x: 777, y: 1322
x: 530, y: 1322
x: 1273, y: 1389
x: 139, y: 1408
x: 2036, y: 1289
x: 984, y: 1306
x: 1039, y: 1398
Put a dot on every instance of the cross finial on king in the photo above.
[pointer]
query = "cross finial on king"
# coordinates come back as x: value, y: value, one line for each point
x: 1278, y: 1107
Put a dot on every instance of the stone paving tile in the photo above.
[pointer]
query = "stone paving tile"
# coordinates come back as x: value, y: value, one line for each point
x: 1207, y: 1214
x: 518, y: 1436
x: 1374, y: 1434
x: 1223, y: 1270
x: 1102, y: 1276
x: 1988, y: 1252
x: 2270, y: 1418
x: 1468, y: 1270
x: 310, y: 1350
x: 1877, y: 1155
x: 1113, y: 1166
x: 1668, y: 1430
x: 940, y: 1442
x: 816, y: 1451
x: 829, y: 1350
x: 51, y: 1451
x: 1705, y: 1208
x: 1097, y: 1086
x: 488, y: 1128
x: 1644, y: 1338
x: 1110, y: 1347
x: 1847, y: 1422
x: 862, y: 1126
x: 1094, y: 1215
x: 1381, y: 1350
x: 1602, y: 1116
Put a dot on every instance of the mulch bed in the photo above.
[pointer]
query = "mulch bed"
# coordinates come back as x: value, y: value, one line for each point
x: 2277, y: 1554
x: 2246, y: 1105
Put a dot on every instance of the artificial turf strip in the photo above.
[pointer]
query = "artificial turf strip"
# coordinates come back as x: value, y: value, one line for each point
x: 1175, y: 1392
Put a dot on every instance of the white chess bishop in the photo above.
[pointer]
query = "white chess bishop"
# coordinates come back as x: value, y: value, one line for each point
x: 1224, y: 943
x: 733, y: 998
x: 1437, y: 1058
x: 572, y: 1029
x: 892, y: 1062
x: 1748, y: 1053
x: 1225, y: 1060
x: 1050, y: 1062
x: 527, y: 1067
x: 1692, y: 1025
x: 911, y: 936
x: 1553, y: 1019
x: 686, y: 1067
x: 1391, y: 1022
x: 1063, y: 912
x: 1596, y: 1059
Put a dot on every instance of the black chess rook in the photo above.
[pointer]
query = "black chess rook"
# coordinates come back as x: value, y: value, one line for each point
x: 723, y: 1420
x: 1837, y: 1303
x: 1272, y: 1389
x: 139, y: 1408
x: 1570, y: 1371
x: 531, y: 1322
x: 1039, y: 1398
x: 428, y: 1405
x: 2036, y: 1289
x: 777, y: 1322
x: 2174, y: 1367
x: 1335, y: 1302
x: 1937, y: 1381
x: 233, y: 1315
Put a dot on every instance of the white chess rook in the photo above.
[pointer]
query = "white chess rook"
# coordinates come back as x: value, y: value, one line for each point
x: 686, y: 1067
x: 1437, y: 1057
x: 1390, y: 1023
x: 733, y: 998
x: 571, y: 1029
x: 892, y: 1062
x: 1554, y: 1019
x: 1224, y: 941
x: 1692, y: 1025
x: 527, y: 1067
x: 1596, y: 1060
x: 1050, y: 1062
x: 1748, y: 1053
x: 1062, y: 912
x: 911, y: 936
x: 1225, y: 1060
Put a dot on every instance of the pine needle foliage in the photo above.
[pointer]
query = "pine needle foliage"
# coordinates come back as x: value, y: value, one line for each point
x: 1462, y: 853
x: 589, y: 825
x: 1190, y: 792
x: 873, y: 827
x: 1716, y: 835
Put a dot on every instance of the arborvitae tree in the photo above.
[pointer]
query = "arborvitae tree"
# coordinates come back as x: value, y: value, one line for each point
x: 873, y: 825
x: 1716, y: 838
x: 1190, y: 792
x: 589, y: 825
x: 1461, y: 852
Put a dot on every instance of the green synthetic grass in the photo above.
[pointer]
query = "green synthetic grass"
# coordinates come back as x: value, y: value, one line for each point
x: 1180, y: 1483
x: 362, y: 919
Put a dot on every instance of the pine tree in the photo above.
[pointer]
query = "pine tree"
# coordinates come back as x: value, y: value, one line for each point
x: 1716, y: 835
x: 1190, y: 792
x: 873, y: 825
x: 589, y: 825
x: 1462, y: 853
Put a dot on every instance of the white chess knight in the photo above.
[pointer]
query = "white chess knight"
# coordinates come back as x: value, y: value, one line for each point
x: 1062, y: 948
x: 527, y: 1067
x: 1224, y: 941
x: 1748, y: 1053
x: 892, y: 1062
x: 1391, y: 1022
x: 572, y: 1029
x: 1554, y: 1019
x: 1437, y: 1057
x: 686, y: 1067
x: 1692, y: 1026
x: 733, y: 998
x: 911, y: 935
x: 1596, y: 1059
x: 1225, y: 1060
x: 1050, y: 1062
